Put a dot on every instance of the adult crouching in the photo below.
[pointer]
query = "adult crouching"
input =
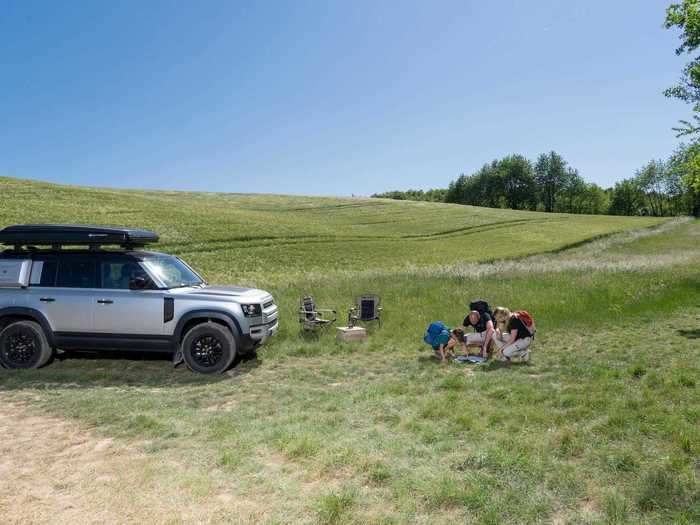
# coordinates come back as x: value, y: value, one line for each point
x: 483, y: 331
x: 515, y: 340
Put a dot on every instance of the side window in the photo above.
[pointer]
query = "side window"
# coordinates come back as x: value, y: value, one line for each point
x: 117, y: 273
x: 43, y: 271
x: 76, y: 272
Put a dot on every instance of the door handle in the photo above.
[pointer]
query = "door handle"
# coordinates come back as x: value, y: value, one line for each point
x: 105, y: 301
x: 47, y: 299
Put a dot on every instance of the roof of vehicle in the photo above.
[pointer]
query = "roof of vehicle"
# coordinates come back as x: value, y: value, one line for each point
x: 75, y: 234
x: 32, y: 252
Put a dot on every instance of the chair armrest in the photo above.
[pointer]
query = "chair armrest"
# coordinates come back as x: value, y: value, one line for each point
x: 328, y: 311
x: 319, y: 312
x: 307, y: 312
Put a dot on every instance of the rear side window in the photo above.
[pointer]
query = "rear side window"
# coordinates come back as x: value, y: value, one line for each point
x: 117, y: 273
x: 76, y: 272
x: 44, y: 271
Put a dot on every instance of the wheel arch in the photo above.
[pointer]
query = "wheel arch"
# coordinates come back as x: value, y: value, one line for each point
x: 196, y: 317
x: 19, y: 313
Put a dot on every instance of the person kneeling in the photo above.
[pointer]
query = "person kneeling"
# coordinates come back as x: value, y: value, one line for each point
x: 514, y: 341
x: 439, y: 337
x: 483, y: 332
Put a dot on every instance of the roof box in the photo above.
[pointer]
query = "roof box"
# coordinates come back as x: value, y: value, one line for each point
x: 74, y: 234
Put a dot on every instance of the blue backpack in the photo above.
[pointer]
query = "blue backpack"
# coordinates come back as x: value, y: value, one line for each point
x: 437, y: 334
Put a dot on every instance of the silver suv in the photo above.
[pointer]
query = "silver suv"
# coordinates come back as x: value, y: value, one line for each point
x: 111, y: 294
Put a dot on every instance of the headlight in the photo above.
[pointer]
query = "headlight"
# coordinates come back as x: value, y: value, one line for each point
x: 251, y: 310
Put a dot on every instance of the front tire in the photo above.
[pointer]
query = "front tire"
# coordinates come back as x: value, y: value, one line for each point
x: 23, y: 344
x: 208, y: 348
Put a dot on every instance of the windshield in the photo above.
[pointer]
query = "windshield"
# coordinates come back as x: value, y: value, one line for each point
x: 171, y: 272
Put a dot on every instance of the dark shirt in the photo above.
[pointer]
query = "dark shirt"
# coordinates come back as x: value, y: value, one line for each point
x: 516, y: 324
x: 480, y: 325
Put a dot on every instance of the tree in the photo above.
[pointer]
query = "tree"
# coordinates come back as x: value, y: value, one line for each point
x: 684, y: 170
x: 686, y: 16
x: 432, y: 195
x: 652, y: 180
x: 627, y: 198
x: 595, y: 200
x: 571, y: 192
x: 457, y: 191
x: 550, y: 177
x: 692, y: 180
x: 517, y: 182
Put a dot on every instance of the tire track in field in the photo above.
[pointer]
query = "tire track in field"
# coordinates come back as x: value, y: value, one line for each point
x: 469, y: 230
x: 250, y: 241
x: 334, y: 207
x: 587, y: 255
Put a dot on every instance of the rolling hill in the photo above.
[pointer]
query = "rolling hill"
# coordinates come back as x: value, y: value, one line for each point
x: 601, y: 427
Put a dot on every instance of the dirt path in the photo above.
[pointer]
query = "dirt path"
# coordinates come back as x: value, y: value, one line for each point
x: 52, y: 471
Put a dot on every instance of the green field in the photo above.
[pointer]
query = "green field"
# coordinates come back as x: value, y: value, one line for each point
x: 603, y: 426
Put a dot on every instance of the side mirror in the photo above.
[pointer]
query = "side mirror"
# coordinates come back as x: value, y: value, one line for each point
x: 138, y: 283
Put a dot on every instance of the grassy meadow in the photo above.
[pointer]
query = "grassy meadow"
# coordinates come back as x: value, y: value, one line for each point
x: 603, y: 426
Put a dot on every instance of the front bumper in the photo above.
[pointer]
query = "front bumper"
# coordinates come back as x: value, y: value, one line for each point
x: 266, y: 327
x: 260, y: 333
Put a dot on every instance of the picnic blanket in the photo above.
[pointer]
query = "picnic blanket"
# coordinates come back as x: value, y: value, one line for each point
x: 474, y: 359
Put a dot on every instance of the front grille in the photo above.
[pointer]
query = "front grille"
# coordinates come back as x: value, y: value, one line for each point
x: 268, y: 304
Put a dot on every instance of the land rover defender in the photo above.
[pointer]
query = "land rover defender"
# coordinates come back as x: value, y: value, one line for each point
x: 76, y: 287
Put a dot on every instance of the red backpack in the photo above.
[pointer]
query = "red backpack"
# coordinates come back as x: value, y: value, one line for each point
x: 527, y: 320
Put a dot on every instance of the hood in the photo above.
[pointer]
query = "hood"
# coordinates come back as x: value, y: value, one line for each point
x: 235, y: 294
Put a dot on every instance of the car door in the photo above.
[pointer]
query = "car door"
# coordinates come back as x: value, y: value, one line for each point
x: 120, y: 310
x: 62, y: 287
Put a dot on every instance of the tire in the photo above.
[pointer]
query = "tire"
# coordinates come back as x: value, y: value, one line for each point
x: 208, y: 348
x: 23, y: 344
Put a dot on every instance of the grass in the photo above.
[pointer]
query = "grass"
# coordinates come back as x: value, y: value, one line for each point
x: 281, y: 240
x: 601, y: 427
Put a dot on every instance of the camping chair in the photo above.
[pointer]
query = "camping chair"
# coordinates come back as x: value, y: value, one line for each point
x: 312, y: 318
x: 366, y: 309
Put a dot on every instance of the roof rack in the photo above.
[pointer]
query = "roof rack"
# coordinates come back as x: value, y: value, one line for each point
x: 57, y: 235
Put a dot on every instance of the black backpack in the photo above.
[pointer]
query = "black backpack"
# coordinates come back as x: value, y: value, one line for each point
x: 481, y: 306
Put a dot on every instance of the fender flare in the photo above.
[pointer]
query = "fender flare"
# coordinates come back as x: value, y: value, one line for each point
x: 33, y: 314
x: 219, y: 315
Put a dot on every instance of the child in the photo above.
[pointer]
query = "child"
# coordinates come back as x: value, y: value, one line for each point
x: 457, y: 337
x: 439, y: 337
x: 444, y: 350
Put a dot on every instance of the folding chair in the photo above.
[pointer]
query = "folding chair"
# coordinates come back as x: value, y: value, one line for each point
x: 366, y: 309
x: 312, y: 318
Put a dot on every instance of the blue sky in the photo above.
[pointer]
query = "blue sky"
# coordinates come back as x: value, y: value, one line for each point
x: 332, y: 98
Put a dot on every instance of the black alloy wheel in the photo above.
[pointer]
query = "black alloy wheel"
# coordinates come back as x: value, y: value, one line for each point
x: 23, y: 344
x: 207, y: 351
x: 20, y: 348
x: 209, y: 348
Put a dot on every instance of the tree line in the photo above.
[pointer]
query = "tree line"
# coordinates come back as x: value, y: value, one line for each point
x: 550, y: 184
x: 660, y: 187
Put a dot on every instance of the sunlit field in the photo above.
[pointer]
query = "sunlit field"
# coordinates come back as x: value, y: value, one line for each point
x: 602, y: 426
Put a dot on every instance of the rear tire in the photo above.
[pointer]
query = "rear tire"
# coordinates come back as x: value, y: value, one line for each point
x: 208, y: 348
x: 23, y: 344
